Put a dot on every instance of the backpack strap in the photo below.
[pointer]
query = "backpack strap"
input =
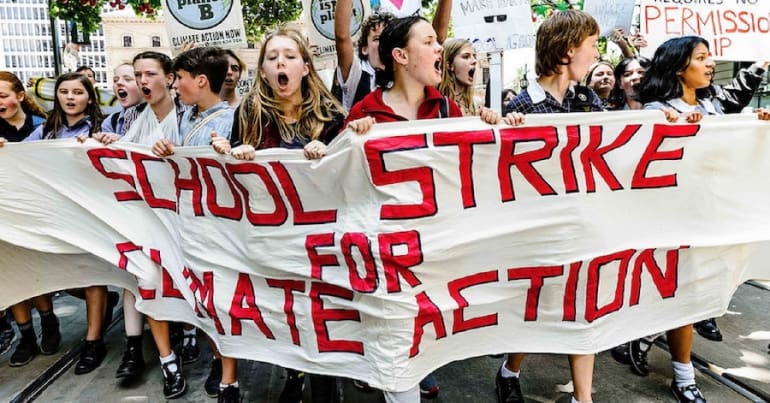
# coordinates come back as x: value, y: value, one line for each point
x: 443, y: 108
x: 199, y: 125
x: 114, y: 120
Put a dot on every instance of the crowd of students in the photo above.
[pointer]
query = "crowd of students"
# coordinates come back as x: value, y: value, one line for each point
x: 401, y: 69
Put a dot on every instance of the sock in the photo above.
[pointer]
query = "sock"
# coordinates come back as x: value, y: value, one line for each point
x: 223, y: 386
x: 578, y: 401
x: 189, y: 336
x: 684, y: 373
x: 171, y: 358
x: 507, y: 373
x: 48, y: 319
x: 27, y: 332
x: 132, y: 319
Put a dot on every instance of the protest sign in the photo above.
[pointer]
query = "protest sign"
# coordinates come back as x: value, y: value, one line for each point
x: 321, y: 24
x: 494, y: 25
x: 611, y: 14
x: 399, y: 8
x: 418, y: 244
x: 205, y: 23
x: 732, y: 28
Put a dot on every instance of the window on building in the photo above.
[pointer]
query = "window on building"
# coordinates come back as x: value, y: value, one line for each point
x: 155, y: 41
x: 128, y: 41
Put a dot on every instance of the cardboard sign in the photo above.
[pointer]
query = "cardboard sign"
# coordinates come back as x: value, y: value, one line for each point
x: 205, y: 23
x: 493, y: 25
x: 736, y: 29
x: 399, y: 8
x: 320, y: 25
x: 611, y: 14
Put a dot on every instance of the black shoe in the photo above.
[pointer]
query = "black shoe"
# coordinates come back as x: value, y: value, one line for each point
x: 112, y: 301
x: 621, y: 354
x: 214, y: 378
x: 708, y: 328
x: 24, y: 353
x: 50, y: 335
x: 174, y: 384
x: 230, y: 394
x: 91, y: 357
x: 132, y: 364
x: 7, y: 337
x: 292, y: 388
x: 638, y: 355
x: 429, y: 387
x: 189, y: 351
x: 687, y: 394
x: 508, y: 389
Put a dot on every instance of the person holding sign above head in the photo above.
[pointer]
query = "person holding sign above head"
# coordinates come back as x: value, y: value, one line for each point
x: 406, y: 86
x: 289, y: 107
x: 677, y: 83
x: 354, y: 76
x: 565, y: 48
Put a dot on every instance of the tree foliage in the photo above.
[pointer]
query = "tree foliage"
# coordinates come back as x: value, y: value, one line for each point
x: 260, y: 16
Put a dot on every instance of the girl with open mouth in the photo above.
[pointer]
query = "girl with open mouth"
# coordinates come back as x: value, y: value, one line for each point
x: 159, y: 118
x: 129, y: 95
x: 412, y: 61
x: 288, y: 107
x: 411, y: 56
x: 677, y: 83
x: 457, y: 72
x: 19, y: 116
x: 75, y: 112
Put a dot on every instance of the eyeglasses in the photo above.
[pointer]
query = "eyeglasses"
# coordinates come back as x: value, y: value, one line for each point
x: 491, y: 18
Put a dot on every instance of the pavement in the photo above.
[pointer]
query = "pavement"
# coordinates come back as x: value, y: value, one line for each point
x: 735, y: 370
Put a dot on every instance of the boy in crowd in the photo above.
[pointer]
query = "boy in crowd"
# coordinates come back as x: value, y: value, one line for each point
x: 200, y: 74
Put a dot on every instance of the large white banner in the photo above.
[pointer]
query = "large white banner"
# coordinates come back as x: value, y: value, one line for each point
x: 408, y: 248
x: 733, y: 28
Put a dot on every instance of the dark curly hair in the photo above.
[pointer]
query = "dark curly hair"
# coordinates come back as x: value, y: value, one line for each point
x: 370, y: 24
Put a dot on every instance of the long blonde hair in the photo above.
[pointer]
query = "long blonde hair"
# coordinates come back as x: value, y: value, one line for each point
x: 449, y: 86
x: 260, y: 107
